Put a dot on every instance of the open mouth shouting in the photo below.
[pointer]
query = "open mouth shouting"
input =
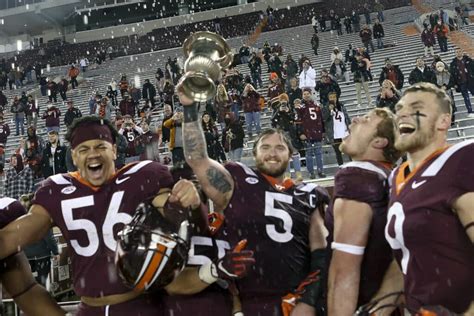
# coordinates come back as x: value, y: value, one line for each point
x: 406, y: 129
x: 95, y: 170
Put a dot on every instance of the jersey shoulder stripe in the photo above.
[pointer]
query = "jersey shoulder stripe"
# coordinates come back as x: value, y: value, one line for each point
x: 137, y: 167
x: 365, y: 165
x: 5, y: 202
x: 440, y: 162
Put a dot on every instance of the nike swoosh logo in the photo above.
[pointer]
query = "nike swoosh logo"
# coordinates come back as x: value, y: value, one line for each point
x: 415, y: 184
x: 299, y: 193
x: 118, y: 181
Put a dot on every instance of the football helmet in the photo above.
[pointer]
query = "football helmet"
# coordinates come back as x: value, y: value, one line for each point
x: 151, y: 250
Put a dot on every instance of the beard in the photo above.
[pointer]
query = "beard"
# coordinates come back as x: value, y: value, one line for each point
x: 273, y: 172
x: 419, y: 140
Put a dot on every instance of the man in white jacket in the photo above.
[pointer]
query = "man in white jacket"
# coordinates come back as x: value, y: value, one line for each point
x: 307, y: 77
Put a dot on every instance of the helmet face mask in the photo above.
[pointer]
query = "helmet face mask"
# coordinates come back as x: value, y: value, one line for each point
x: 151, y: 251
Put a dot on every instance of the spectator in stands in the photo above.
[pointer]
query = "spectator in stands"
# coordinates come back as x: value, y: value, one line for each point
x: 53, y: 160
x: 52, y: 90
x: 428, y: 39
x: 366, y: 37
x: 127, y: 106
x: 32, y: 111
x: 217, y: 25
x: 71, y: 114
x: 51, y: 117
x: 291, y: 69
x: 275, y: 88
x: 11, y: 79
x: 302, y: 59
x: 251, y: 107
x: 366, y: 12
x: 39, y: 254
x: 350, y: 54
x: 338, y: 24
x: 132, y: 132
x: 422, y: 73
x: 256, y: 70
x: 123, y: 85
x: 3, y: 101
x: 388, y: 96
x: 176, y: 136
x: 73, y: 72
x: 233, y: 137
x: 270, y: 16
x: 4, y: 131
x: 361, y: 78
x: 19, y: 180
x: 149, y: 92
x: 315, y: 43
x: 348, y: 24
x: 393, y: 73
x: 214, y: 146
x: 314, y: 23
x: 33, y: 149
x: 277, y: 49
x: 18, y: 77
x: 336, y: 123
x: 3, y: 80
x: 339, y: 72
x: 379, y: 33
x: 43, y: 86
x: 311, y: 132
x: 84, y: 63
x: 322, y: 22
x: 294, y: 92
x: 168, y: 92
x: 235, y: 95
x: 332, y: 19
x: 112, y: 95
x: 307, y: 77
x: 325, y: 85
x: 462, y: 73
x: 275, y: 65
x: 355, y: 21
x: 135, y: 94
x: 165, y: 131
x: 104, y: 109
x: 441, y: 31
x: 160, y: 80
x: 38, y: 70
x: 62, y: 88
x: 18, y: 109
x: 379, y: 7
x: 244, y: 53
x: 222, y: 104
x: 336, y: 54
x: 444, y: 81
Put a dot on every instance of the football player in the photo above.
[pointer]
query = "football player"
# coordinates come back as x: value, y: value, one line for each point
x: 356, y: 218
x: 430, y: 223
x: 15, y: 272
x: 90, y: 206
x: 279, y: 219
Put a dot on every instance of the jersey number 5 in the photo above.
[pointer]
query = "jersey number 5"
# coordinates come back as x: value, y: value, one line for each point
x: 272, y: 211
x: 112, y: 218
x: 398, y: 242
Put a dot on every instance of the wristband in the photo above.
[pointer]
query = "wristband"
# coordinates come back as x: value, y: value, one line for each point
x: 190, y: 113
x: 238, y: 314
x: 208, y: 273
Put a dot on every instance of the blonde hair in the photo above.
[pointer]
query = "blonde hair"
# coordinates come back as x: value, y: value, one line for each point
x: 221, y: 93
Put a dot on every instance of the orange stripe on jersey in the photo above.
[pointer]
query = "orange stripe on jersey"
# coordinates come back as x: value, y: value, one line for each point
x: 152, y: 267
x: 76, y: 175
x: 401, y: 180
x: 280, y: 186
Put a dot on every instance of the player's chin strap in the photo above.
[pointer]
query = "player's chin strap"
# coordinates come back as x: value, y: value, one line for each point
x: 367, y: 309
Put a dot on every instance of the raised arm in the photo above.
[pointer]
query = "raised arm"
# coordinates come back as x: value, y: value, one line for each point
x: 216, y: 181
x: 24, y: 231
x: 18, y: 281
x: 351, y: 229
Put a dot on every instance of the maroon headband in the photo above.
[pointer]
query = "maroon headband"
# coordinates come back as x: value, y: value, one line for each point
x: 91, y: 131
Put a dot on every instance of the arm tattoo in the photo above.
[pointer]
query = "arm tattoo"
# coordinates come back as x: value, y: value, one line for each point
x: 193, y: 141
x: 218, y: 180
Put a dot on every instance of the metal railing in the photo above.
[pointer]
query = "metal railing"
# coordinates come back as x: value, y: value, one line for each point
x: 10, y: 4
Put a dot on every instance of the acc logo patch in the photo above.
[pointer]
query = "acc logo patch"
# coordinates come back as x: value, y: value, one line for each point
x: 68, y: 190
x: 251, y: 180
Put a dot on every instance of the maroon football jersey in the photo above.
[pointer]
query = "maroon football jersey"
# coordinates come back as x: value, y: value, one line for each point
x: 131, y: 135
x: 214, y: 300
x: 310, y: 117
x: 89, y: 219
x: 429, y: 242
x: 276, y: 225
x: 10, y: 209
x: 366, y: 182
